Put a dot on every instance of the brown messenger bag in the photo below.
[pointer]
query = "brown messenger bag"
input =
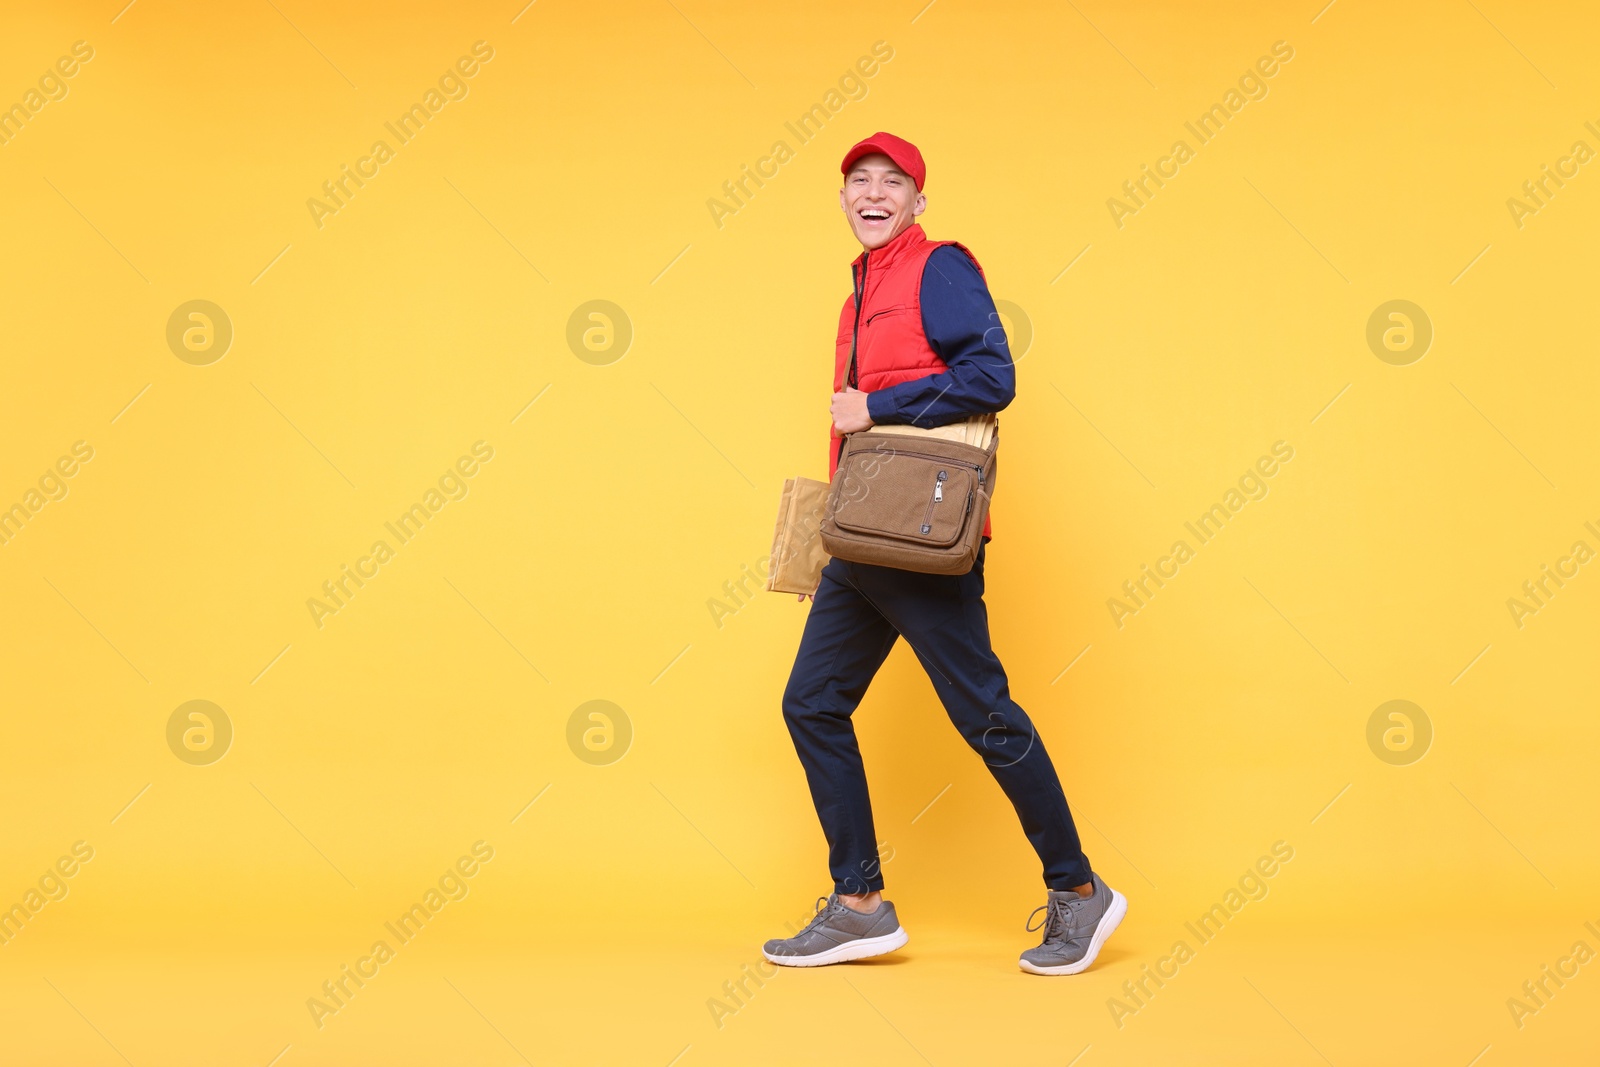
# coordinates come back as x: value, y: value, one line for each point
x: 911, y: 498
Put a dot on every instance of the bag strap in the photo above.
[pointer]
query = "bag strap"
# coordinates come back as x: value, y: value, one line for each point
x: 859, y: 285
x: 860, y: 288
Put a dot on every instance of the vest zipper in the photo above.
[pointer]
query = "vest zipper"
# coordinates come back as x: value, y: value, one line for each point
x: 938, y: 495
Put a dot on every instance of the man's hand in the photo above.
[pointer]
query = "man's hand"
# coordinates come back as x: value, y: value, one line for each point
x: 849, y: 410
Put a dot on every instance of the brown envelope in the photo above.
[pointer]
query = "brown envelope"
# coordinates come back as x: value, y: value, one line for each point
x: 797, y: 553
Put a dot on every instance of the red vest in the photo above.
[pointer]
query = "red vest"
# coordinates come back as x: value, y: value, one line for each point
x: 891, y: 347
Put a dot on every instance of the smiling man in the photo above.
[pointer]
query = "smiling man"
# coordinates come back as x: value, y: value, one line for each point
x: 919, y: 342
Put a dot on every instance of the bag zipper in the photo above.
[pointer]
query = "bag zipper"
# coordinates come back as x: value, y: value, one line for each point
x: 938, y: 495
x: 975, y: 467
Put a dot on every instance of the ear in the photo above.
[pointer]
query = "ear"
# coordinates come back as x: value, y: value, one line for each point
x: 920, y: 206
x: 842, y: 206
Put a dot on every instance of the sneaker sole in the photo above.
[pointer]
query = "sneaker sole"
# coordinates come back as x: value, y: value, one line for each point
x: 861, y: 948
x: 1108, y: 923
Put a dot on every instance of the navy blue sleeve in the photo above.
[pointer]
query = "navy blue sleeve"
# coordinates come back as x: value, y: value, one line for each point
x: 963, y: 327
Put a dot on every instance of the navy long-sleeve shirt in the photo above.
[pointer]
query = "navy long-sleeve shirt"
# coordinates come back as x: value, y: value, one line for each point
x: 963, y: 328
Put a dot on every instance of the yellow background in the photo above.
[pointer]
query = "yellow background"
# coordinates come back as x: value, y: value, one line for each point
x: 369, y: 353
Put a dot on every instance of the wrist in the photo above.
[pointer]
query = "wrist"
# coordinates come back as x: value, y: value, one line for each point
x: 879, y: 406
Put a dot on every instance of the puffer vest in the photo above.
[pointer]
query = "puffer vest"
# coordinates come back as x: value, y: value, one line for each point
x: 890, y: 347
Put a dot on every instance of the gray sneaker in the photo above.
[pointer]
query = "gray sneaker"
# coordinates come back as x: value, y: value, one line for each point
x: 838, y: 933
x: 1074, y: 929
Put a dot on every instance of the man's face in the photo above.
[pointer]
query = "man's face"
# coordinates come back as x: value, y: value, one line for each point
x: 879, y: 200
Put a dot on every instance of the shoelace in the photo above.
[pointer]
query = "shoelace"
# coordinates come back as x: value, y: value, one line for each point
x: 823, y: 911
x: 1055, y: 921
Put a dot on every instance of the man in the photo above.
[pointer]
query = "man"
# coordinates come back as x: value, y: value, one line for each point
x: 928, y: 350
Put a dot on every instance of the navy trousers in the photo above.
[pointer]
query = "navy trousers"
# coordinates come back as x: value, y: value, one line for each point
x: 859, y: 611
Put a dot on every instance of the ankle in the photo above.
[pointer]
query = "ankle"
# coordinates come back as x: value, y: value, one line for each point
x: 866, y: 903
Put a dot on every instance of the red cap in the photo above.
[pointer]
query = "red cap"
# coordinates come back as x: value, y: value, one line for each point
x: 903, y: 152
